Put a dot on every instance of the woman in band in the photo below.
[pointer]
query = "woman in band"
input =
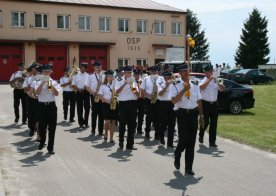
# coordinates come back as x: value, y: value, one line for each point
x: 109, y: 105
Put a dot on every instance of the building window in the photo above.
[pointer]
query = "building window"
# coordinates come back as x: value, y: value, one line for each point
x: 18, y: 19
x: 41, y: 20
x: 159, y: 27
x: 176, y: 28
x: 123, y: 25
x: 63, y: 22
x: 123, y: 62
x: 104, y: 24
x: 85, y: 23
x: 142, y: 62
x: 142, y: 26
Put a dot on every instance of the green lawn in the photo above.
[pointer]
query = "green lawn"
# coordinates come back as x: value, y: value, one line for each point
x: 257, y: 126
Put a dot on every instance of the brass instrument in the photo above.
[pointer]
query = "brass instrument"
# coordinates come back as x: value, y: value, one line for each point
x: 97, y: 97
x: 219, y: 81
x: 74, y: 71
x: 154, y: 93
x: 18, y: 83
x: 49, y: 85
x: 114, y: 99
x: 132, y: 85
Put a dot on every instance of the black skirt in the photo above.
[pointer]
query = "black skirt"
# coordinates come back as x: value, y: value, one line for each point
x: 109, y: 114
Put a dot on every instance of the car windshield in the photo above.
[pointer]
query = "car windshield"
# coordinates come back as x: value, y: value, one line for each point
x: 243, y: 71
x: 234, y: 70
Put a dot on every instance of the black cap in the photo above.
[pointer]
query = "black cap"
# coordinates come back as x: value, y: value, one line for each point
x: 167, y: 74
x: 119, y: 69
x: 182, y: 66
x: 109, y: 73
x: 39, y: 68
x: 46, y: 67
x: 97, y: 64
x: 128, y: 69
x: 84, y: 65
x: 66, y: 69
x: 20, y: 64
x: 153, y: 68
x: 137, y: 71
x: 208, y: 68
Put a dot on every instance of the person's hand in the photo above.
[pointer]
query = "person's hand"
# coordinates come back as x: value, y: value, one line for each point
x: 186, y: 86
x: 201, y: 121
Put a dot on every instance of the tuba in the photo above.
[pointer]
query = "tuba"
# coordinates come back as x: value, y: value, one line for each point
x: 113, y: 102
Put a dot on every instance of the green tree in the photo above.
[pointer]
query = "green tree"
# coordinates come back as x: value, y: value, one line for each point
x: 201, y: 49
x: 253, y: 48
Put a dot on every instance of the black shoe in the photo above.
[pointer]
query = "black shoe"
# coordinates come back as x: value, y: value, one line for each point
x: 105, y: 138
x: 147, y: 135
x: 213, y: 145
x: 40, y: 146
x: 93, y: 132
x: 131, y: 148
x: 189, y: 172
x: 16, y: 120
x: 200, y: 139
x: 162, y: 141
x: 71, y: 121
x: 177, y: 163
x: 65, y: 117
x: 24, y: 123
x: 112, y: 141
x: 121, y: 145
x: 31, y: 133
x: 51, y: 151
x: 86, y: 126
x: 81, y: 126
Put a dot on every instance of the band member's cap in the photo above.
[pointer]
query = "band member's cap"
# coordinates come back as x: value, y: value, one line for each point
x: 137, y: 71
x: 119, y: 69
x: 39, y: 69
x: 153, y: 68
x: 109, y: 73
x: 208, y: 68
x: 66, y: 69
x: 97, y: 64
x: 182, y: 66
x: 20, y: 64
x: 33, y: 65
x: 46, y: 67
x: 84, y: 65
x: 128, y: 69
x: 167, y: 74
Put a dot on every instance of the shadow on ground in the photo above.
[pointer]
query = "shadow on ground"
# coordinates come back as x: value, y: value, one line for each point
x: 215, y: 152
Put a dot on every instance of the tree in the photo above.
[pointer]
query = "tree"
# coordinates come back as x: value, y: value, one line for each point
x: 201, y: 49
x: 254, y: 47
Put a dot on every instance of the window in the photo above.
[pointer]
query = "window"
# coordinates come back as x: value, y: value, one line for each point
x: 123, y: 25
x: 141, y: 62
x: 176, y: 28
x: 63, y: 22
x: 18, y: 19
x: 142, y: 26
x: 104, y: 24
x: 159, y: 27
x: 85, y: 23
x: 123, y: 62
x: 41, y: 20
x: 1, y: 23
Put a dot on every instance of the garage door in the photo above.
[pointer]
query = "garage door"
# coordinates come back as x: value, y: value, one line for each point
x: 90, y: 54
x: 10, y: 56
x: 54, y: 54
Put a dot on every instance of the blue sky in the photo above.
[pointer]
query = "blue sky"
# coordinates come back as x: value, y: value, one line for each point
x: 223, y: 23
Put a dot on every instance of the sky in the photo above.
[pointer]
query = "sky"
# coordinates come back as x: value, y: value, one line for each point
x: 223, y: 21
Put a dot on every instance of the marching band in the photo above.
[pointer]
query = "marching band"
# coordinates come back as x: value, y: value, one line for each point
x: 118, y: 99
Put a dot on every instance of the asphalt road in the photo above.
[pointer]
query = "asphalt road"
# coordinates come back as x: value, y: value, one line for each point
x: 85, y: 165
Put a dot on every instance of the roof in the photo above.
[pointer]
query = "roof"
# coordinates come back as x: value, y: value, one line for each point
x: 127, y: 4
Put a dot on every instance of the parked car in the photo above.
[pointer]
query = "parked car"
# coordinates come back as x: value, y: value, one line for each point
x: 196, y: 66
x: 228, y: 73
x: 236, y: 97
x: 251, y: 76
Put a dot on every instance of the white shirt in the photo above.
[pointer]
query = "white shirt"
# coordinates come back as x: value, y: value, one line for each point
x: 17, y: 74
x: 161, y: 84
x: 28, y: 81
x: 210, y: 93
x: 45, y: 95
x: 126, y: 94
x: 147, y: 83
x: 185, y: 102
x: 106, y: 91
x: 63, y: 80
x: 80, y: 79
x: 93, y: 80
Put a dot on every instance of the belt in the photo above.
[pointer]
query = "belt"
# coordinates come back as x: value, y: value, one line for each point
x: 47, y: 103
x: 210, y: 102
x: 188, y: 110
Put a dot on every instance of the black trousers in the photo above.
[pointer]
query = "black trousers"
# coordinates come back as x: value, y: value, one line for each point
x: 128, y: 113
x: 210, y: 112
x: 140, y: 114
x: 47, y: 119
x: 167, y: 120
x: 152, y: 116
x: 19, y: 95
x: 83, y: 102
x: 187, y: 129
x: 33, y: 113
x: 97, y: 112
x: 69, y: 98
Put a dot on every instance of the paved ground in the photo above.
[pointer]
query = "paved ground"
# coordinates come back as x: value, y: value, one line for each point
x: 85, y: 165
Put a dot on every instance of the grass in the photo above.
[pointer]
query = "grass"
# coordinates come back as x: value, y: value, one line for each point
x: 255, y: 127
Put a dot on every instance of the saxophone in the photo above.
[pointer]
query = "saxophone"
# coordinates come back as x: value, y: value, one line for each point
x: 113, y: 102
x: 154, y: 93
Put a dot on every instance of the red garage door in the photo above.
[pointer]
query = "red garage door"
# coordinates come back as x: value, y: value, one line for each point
x: 54, y: 54
x: 10, y: 56
x: 90, y: 54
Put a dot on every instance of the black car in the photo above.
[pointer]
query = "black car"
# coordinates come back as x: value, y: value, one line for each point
x: 228, y: 73
x: 251, y: 76
x: 236, y: 97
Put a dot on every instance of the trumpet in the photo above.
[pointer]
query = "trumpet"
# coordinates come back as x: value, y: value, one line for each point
x: 49, y: 85
x: 132, y: 84
x: 219, y: 81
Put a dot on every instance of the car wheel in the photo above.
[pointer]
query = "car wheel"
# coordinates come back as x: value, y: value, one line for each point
x: 251, y: 82
x: 235, y: 107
